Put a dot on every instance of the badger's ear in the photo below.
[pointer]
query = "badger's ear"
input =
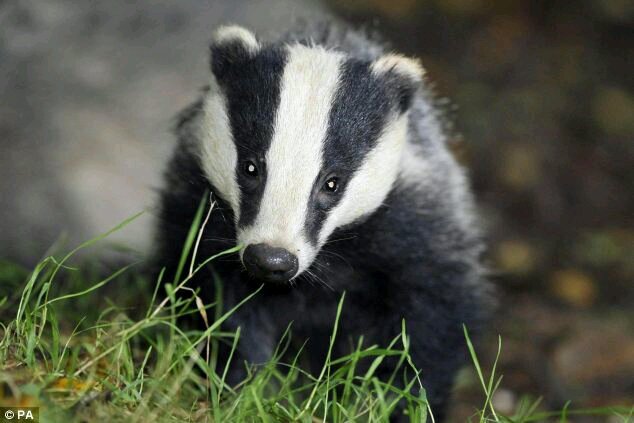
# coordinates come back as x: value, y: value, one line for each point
x: 402, y: 76
x: 231, y: 45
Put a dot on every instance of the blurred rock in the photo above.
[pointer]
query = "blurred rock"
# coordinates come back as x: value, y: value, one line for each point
x: 520, y: 168
x: 574, y: 287
x: 607, y: 248
x: 597, y: 361
x: 89, y: 94
x: 615, y: 10
x: 515, y: 256
x: 560, y: 354
x: 614, y: 111
x: 504, y: 401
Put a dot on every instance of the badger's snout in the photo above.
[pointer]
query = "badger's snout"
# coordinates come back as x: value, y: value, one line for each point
x: 270, y: 264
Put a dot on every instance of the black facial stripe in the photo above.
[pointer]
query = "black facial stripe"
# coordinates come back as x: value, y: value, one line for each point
x: 252, y: 89
x: 359, y: 112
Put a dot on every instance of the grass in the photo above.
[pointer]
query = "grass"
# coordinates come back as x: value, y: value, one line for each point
x: 81, y: 355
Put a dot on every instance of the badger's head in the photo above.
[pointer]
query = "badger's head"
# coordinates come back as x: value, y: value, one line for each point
x: 299, y: 141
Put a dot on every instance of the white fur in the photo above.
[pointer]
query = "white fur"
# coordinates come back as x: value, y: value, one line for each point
x: 231, y: 33
x: 373, y: 181
x: 409, y: 68
x: 219, y: 156
x: 414, y: 170
x: 293, y: 161
x: 425, y: 171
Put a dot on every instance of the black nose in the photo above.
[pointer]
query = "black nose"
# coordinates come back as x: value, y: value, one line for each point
x: 270, y: 263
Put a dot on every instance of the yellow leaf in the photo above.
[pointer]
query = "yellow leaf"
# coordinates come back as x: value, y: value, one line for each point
x: 201, y: 309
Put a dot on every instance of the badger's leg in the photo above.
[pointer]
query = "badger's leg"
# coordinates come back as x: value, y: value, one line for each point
x: 435, y: 307
x: 254, y: 348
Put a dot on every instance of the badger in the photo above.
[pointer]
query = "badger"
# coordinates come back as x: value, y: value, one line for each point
x: 327, y: 160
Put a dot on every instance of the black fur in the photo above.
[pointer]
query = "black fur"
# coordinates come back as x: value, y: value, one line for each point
x: 414, y: 258
x: 252, y: 88
x: 358, y: 115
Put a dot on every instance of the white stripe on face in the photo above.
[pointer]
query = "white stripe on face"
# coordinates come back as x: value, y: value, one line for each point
x: 218, y: 153
x: 293, y: 161
x: 373, y: 181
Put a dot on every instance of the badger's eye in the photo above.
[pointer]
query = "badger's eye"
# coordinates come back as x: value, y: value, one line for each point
x: 250, y: 169
x: 331, y: 185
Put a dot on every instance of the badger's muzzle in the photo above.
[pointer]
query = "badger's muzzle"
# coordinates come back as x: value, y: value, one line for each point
x: 270, y: 264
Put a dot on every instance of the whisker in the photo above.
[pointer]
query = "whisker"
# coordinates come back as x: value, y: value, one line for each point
x: 230, y: 260
x: 335, y: 255
x: 303, y: 276
x: 318, y: 279
x: 218, y: 239
x: 331, y: 241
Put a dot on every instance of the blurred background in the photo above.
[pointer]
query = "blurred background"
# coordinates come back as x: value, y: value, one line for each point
x: 541, y: 94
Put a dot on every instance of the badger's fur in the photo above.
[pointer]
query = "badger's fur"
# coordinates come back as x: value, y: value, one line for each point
x: 328, y: 163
